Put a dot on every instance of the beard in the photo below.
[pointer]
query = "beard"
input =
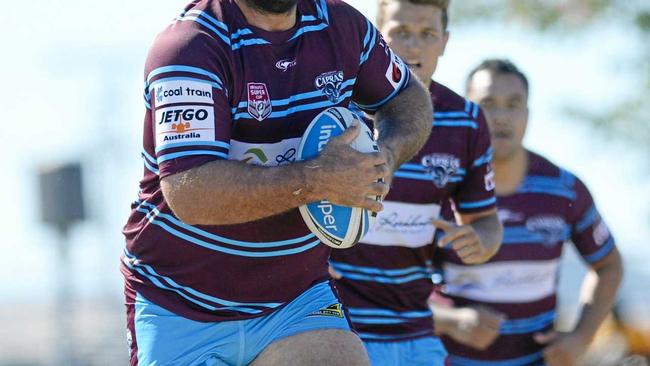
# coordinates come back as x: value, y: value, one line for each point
x: 272, y: 6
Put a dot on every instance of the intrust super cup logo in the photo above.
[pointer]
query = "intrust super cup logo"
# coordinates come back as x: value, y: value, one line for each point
x: 259, y: 101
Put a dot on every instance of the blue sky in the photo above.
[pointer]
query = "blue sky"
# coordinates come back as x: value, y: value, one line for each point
x: 72, y: 75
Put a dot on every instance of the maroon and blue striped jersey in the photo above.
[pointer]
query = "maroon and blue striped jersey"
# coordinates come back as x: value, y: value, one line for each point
x: 550, y: 207
x: 387, y: 277
x: 218, y: 88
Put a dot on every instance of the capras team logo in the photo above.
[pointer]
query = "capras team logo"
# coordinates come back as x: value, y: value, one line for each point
x: 284, y: 65
x: 329, y: 84
x: 441, y: 167
x: 550, y: 227
x: 259, y: 101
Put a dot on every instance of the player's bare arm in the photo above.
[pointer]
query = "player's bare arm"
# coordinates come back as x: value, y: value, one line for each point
x: 230, y: 192
x: 598, y: 295
x: 476, y: 326
x: 475, y: 237
x: 404, y: 123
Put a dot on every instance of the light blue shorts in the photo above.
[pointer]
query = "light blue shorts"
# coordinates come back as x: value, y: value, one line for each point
x: 427, y: 351
x: 164, y: 338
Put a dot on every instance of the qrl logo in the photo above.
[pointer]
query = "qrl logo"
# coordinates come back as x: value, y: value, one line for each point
x: 175, y: 115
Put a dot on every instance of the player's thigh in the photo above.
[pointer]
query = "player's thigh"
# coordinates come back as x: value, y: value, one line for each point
x: 326, y: 347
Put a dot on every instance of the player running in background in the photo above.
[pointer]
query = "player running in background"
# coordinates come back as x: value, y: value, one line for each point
x: 219, y: 266
x: 386, y: 279
x: 505, y: 308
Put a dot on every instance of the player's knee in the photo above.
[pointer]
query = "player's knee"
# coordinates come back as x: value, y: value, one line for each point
x: 331, y: 347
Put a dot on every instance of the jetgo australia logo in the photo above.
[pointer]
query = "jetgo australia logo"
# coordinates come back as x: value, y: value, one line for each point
x: 441, y: 167
x: 329, y: 84
x: 284, y: 65
x: 181, y: 126
x: 396, y: 69
x: 259, y: 101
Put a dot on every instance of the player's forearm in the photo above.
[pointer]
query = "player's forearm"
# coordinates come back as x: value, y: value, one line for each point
x: 598, y: 294
x: 446, y: 318
x: 405, y: 122
x: 230, y: 192
x: 490, y: 230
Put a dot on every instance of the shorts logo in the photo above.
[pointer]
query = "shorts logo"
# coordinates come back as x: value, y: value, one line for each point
x: 329, y: 84
x: 284, y: 65
x: 441, y: 167
x: 259, y: 101
x: 550, y: 228
x: 334, y: 310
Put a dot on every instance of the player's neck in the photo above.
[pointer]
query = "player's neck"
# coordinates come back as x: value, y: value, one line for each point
x: 267, y: 21
x: 510, y: 172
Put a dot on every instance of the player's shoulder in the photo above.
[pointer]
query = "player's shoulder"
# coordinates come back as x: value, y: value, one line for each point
x: 202, y: 24
x: 452, y: 109
x: 540, y: 166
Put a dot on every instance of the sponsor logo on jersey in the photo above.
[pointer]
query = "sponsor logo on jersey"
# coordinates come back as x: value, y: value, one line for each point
x: 488, y: 179
x: 550, y: 227
x: 506, y: 215
x: 284, y: 65
x: 329, y: 83
x: 259, y: 101
x: 279, y: 153
x: 129, y: 341
x: 441, y: 167
x: 403, y: 224
x: 186, y: 123
x: 600, y: 233
x: 334, y: 310
x: 396, y: 69
x: 182, y: 91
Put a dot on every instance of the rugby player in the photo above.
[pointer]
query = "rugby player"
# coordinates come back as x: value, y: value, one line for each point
x: 219, y: 267
x: 505, y: 308
x: 385, y: 280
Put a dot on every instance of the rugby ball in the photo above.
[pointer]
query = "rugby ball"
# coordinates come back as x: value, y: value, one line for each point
x: 336, y: 226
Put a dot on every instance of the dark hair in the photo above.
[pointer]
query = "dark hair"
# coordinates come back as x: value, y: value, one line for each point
x: 497, y: 66
x: 443, y: 5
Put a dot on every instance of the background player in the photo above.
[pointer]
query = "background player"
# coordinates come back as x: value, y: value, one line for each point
x: 219, y: 266
x: 386, y: 279
x: 541, y: 206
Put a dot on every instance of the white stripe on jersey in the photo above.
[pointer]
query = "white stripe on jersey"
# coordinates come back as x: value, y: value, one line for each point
x: 502, y: 282
x: 403, y: 224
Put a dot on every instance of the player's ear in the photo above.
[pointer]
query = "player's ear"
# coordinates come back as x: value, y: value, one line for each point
x: 445, y: 39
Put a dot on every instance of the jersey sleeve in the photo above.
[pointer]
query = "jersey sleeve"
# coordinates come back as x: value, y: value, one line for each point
x: 476, y: 192
x: 187, y: 103
x: 382, y: 74
x: 589, y: 232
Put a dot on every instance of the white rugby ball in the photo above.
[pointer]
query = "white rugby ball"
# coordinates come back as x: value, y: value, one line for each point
x: 336, y: 226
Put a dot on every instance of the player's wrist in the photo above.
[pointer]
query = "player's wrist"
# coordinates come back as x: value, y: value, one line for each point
x: 310, y: 181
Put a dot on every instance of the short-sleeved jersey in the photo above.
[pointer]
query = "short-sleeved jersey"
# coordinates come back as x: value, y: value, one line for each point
x: 551, y: 206
x: 218, y: 88
x: 387, y: 277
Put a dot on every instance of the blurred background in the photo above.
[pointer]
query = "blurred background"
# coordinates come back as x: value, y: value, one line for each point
x: 72, y: 74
